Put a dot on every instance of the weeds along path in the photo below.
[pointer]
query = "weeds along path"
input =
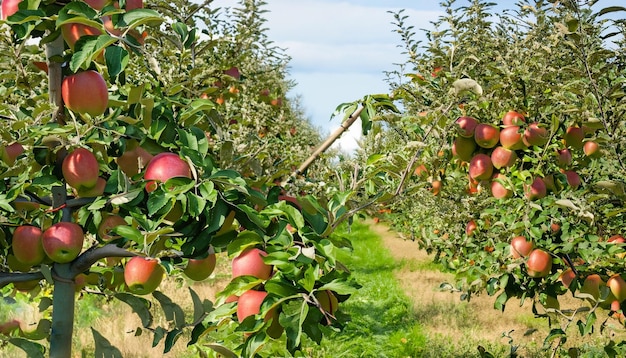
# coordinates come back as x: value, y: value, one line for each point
x: 442, y: 313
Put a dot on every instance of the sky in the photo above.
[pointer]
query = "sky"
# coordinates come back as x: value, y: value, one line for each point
x: 340, y: 49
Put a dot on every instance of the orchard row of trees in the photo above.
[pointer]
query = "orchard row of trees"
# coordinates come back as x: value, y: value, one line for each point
x: 140, y: 140
x: 514, y: 127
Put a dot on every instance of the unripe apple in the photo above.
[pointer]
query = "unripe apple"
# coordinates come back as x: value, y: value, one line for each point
x: 618, y: 287
x: 465, y: 126
x: 108, y: 223
x: 463, y: 148
x: 537, y: 189
x: 574, y: 137
x: 513, y: 118
x: 27, y: 246
x: 250, y: 262
x: 63, y: 241
x: 512, y: 138
x: 10, y: 153
x: 539, y: 263
x: 143, y: 275
x: 328, y: 301
x: 81, y: 169
x: 498, y: 190
x: 480, y: 167
x: 164, y: 166
x: 548, y: 180
x: 85, y: 93
x: 502, y: 157
x: 200, y: 269
x: 520, y: 247
x: 486, y: 135
x: 249, y: 304
x: 132, y: 161
x: 535, y: 135
x: 9, y: 7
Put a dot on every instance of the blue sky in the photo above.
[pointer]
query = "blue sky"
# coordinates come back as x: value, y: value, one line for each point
x: 340, y: 49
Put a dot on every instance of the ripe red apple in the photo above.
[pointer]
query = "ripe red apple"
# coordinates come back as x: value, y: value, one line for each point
x: 9, y: 7
x: 512, y: 138
x: 539, y: 263
x: 566, y: 277
x: 10, y: 153
x: 27, y: 246
x: 520, y: 247
x: 573, y: 179
x: 591, y: 149
x: 486, y: 135
x: 466, y: 126
x: 9, y: 327
x: 503, y: 158
x: 535, y: 135
x: 563, y: 158
x: 537, y: 189
x: 98, y: 4
x: 85, y: 93
x: 200, y: 269
x: 435, y: 187
x: 250, y: 262
x: 63, y: 241
x: 233, y: 72
x: 108, y: 223
x: 421, y: 171
x: 480, y: 167
x: 143, y: 275
x: 617, y: 239
x: 72, y: 32
x: 463, y: 148
x: 574, y: 137
x: 328, y: 301
x: 164, y: 166
x: 470, y: 227
x: 618, y: 287
x: 249, y: 304
x: 80, y: 169
x: 498, y: 190
x: 513, y: 118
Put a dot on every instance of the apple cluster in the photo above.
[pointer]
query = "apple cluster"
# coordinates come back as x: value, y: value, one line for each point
x: 492, y: 151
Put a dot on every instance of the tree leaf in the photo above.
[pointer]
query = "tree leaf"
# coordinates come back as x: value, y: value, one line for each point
x: 140, y: 306
x: 104, y: 348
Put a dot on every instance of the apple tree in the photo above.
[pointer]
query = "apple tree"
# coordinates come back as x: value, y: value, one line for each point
x: 141, y: 142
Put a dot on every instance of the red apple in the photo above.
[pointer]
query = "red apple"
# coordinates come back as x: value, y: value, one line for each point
x: 574, y: 137
x: 537, y: 189
x: 512, y: 138
x: 143, y: 275
x: 108, y: 223
x: 27, y: 246
x: 250, y: 262
x: 470, y: 227
x: 486, y: 135
x: 421, y: 171
x: 80, y: 169
x: 463, y: 148
x: 98, y: 4
x: 573, y: 179
x: 618, y: 287
x: 200, y: 269
x: 233, y: 72
x: 520, y: 247
x: 97, y: 190
x: 566, y: 277
x: 85, y: 93
x: 10, y: 153
x: 9, y: 327
x: 591, y: 286
x: 480, y: 167
x: 513, y: 118
x: 133, y: 161
x: 9, y: 7
x: 466, y: 126
x: 498, y: 190
x: 539, y: 263
x: 502, y: 157
x: 563, y: 158
x: 535, y: 135
x: 591, y: 149
x: 63, y: 241
x: 164, y: 166
x: 249, y: 304
x: 617, y: 239
x: 72, y: 32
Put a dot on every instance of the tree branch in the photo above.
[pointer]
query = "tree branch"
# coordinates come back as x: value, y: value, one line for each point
x: 91, y: 256
x: 9, y: 277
